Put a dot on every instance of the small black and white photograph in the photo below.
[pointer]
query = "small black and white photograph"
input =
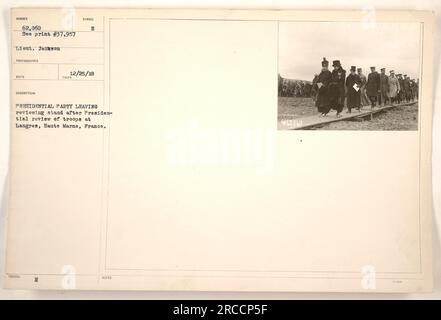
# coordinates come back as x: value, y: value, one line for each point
x: 348, y: 75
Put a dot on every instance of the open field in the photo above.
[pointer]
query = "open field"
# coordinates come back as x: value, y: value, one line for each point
x: 291, y: 108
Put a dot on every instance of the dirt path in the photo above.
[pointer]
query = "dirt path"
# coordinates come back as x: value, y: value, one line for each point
x: 296, y: 113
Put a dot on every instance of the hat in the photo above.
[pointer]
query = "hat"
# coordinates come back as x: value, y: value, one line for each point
x: 383, y: 69
x: 405, y: 75
x: 358, y: 69
x: 325, y: 62
x: 336, y: 63
x: 372, y: 67
x: 391, y: 71
x: 353, y: 68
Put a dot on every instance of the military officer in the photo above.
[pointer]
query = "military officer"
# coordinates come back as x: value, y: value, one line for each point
x: 416, y: 88
x: 407, y: 89
x: 384, y: 87
x: 373, y: 86
x: 394, y: 87
x: 413, y: 89
x: 401, y: 96
x: 364, y: 100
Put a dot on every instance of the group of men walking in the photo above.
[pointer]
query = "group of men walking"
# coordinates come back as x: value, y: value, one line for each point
x: 334, y: 87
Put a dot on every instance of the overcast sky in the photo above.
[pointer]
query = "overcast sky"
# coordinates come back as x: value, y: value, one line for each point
x: 302, y: 46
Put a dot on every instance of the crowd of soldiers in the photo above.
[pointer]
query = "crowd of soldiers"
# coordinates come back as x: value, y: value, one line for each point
x: 294, y: 88
x: 330, y: 90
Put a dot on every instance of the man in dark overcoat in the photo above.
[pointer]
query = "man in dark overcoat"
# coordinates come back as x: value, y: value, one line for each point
x: 322, y: 82
x: 407, y: 89
x: 353, y: 85
x: 373, y: 87
x: 401, y: 96
x: 384, y: 87
x: 337, y: 87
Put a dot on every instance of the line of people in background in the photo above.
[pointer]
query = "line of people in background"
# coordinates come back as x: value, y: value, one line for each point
x: 332, y: 88
x: 294, y: 88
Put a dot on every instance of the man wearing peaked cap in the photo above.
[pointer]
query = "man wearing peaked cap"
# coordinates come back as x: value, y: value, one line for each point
x: 384, y: 87
x: 407, y: 89
x: 416, y: 88
x: 363, y: 96
x: 373, y: 87
x: 394, y: 87
x: 413, y: 89
x: 401, y: 94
